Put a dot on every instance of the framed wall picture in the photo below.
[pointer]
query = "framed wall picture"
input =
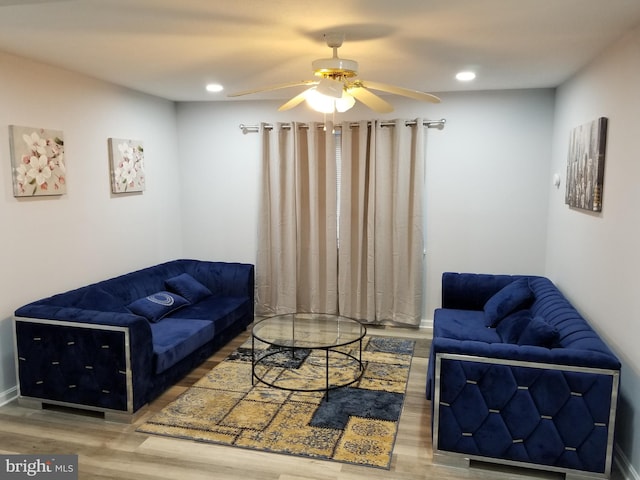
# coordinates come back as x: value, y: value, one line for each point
x: 585, y: 165
x: 126, y: 161
x: 37, y: 161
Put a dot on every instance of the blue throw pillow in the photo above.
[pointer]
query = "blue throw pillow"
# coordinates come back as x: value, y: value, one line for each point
x: 511, y: 327
x: 157, y: 305
x: 188, y: 287
x: 539, y: 333
x: 515, y: 296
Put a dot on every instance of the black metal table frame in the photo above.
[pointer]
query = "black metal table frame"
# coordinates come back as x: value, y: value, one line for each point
x: 292, y: 348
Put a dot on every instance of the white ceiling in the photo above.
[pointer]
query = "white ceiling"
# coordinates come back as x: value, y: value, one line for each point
x: 172, y: 48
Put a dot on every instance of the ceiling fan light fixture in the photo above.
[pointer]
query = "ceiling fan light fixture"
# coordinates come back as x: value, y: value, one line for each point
x: 319, y: 102
x: 328, y: 104
x: 345, y: 102
x: 330, y: 87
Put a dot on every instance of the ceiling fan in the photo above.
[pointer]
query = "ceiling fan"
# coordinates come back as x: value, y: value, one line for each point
x: 337, y: 87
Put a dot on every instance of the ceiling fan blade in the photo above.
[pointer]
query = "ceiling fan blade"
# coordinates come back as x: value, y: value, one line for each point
x: 273, y: 87
x: 405, y: 92
x: 294, y: 102
x: 371, y: 100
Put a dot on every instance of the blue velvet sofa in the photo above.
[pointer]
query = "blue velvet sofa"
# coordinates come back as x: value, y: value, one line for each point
x: 115, y: 345
x: 518, y: 377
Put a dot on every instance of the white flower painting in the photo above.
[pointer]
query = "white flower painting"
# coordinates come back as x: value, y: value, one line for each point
x: 126, y: 159
x: 38, y: 163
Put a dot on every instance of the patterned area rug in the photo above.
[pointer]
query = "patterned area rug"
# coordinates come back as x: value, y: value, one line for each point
x: 358, y: 424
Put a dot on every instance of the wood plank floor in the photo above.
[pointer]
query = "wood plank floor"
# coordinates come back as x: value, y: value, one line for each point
x: 116, y: 451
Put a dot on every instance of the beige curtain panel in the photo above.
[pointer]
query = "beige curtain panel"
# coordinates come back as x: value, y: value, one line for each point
x: 370, y: 268
x: 381, y: 234
x: 296, y: 268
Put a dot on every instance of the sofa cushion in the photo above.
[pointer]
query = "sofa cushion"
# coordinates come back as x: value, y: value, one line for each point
x: 515, y: 296
x: 175, y: 338
x: 539, y: 333
x: 188, y: 287
x: 511, y: 327
x: 462, y: 325
x: 223, y: 311
x: 158, y: 305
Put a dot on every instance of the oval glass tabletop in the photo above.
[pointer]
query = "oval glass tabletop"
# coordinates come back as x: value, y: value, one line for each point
x: 308, y: 330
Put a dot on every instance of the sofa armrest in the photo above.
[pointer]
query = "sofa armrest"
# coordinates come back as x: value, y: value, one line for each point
x: 82, y: 315
x: 527, y: 353
x: 75, y: 356
x: 519, y: 353
x: 530, y: 414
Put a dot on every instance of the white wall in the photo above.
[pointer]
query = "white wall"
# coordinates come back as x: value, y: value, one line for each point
x: 487, y: 185
x: 490, y: 206
x: 51, y: 244
x: 595, y: 258
x: 487, y: 179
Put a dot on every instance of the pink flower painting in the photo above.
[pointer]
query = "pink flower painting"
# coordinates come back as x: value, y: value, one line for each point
x: 126, y: 159
x: 38, y: 163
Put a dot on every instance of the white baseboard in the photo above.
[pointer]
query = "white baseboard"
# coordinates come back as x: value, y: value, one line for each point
x: 8, y: 395
x: 622, y: 462
x: 426, y: 323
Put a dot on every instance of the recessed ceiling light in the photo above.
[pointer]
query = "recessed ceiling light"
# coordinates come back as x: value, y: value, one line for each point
x: 465, y: 76
x: 214, y: 87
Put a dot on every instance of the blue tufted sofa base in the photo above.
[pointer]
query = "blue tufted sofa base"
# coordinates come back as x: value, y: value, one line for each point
x: 522, y: 405
x: 534, y: 415
x: 86, y: 349
x: 74, y: 363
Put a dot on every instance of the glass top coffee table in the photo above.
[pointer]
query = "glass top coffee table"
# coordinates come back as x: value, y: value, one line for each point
x: 307, y: 352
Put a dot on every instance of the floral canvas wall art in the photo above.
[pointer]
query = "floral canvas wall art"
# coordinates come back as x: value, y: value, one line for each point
x: 585, y: 165
x: 126, y: 159
x: 37, y: 161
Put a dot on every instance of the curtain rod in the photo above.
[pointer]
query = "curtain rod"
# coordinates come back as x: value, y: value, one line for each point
x: 439, y: 124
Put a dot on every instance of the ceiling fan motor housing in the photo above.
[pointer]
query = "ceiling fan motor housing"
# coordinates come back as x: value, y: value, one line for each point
x: 335, y: 68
